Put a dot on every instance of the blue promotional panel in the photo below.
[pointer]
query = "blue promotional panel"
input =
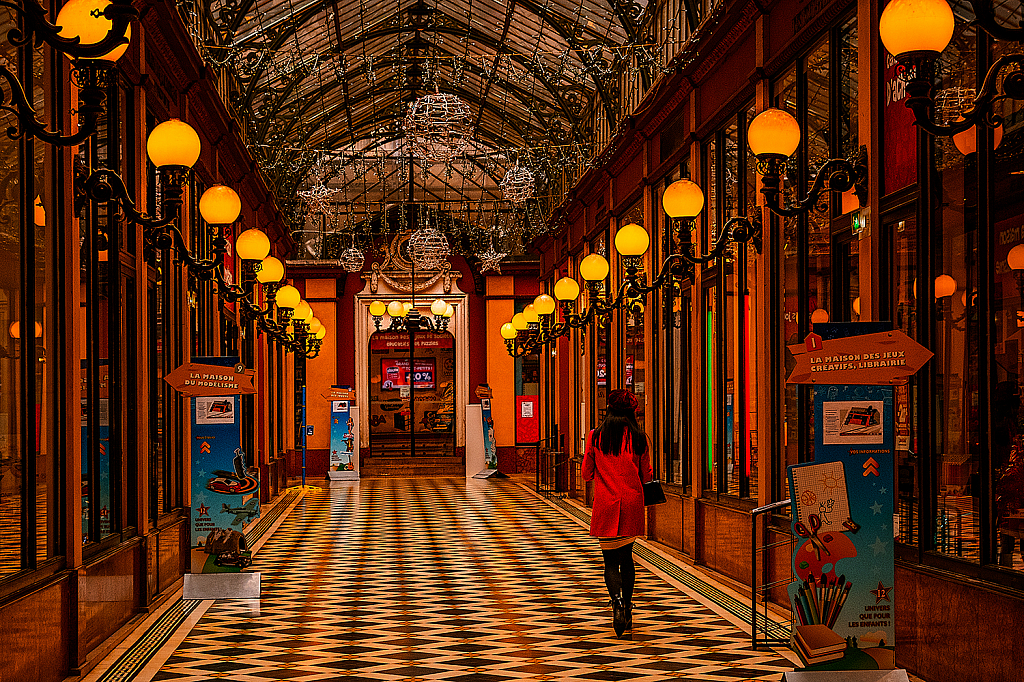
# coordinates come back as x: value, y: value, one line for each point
x: 843, y: 599
x: 102, y: 504
x: 342, y: 436
x: 223, y: 485
x: 490, y: 450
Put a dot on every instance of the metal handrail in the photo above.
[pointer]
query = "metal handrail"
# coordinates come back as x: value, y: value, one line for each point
x: 764, y: 589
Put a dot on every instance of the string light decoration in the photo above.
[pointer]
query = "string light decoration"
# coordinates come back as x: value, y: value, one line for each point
x: 439, y: 127
x: 517, y: 186
x: 352, y: 258
x: 428, y: 248
x: 318, y: 197
x: 491, y: 258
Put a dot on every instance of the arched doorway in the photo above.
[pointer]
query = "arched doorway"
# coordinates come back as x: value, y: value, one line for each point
x: 411, y: 390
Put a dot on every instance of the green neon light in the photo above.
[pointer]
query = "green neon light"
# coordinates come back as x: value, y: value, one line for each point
x: 709, y: 409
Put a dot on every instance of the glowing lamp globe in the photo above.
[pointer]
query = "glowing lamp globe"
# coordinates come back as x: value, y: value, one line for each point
x: 773, y: 132
x: 632, y: 240
x: 173, y: 143
x: 84, y: 19
x: 530, y: 313
x: 15, y: 329
x: 288, y: 296
x: 220, y: 205
x: 377, y: 308
x: 908, y: 26
x: 544, y: 304
x: 1015, y: 259
x: 438, y: 306
x: 252, y: 245
x: 407, y: 306
x: 448, y: 311
x: 856, y: 305
x: 683, y: 199
x: 944, y: 286
x: 519, y: 321
x: 271, y: 271
x: 39, y: 212
x: 594, y: 268
x: 819, y: 316
x: 314, y: 326
x: 508, y: 331
x: 396, y: 309
x: 967, y: 141
x: 303, y: 312
x: 566, y: 289
x: 321, y: 333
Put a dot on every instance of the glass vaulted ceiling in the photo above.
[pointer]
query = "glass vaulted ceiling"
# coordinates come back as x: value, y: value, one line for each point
x: 323, y: 87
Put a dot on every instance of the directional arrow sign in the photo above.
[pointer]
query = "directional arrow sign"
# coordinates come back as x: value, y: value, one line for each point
x: 339, y: 394
x: 871, y: 466
x: 881, y: 358
x: 205, y: 447
x: 194, y: 379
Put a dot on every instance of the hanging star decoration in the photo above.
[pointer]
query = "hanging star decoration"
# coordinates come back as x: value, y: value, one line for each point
x: 491, y: 259
x: 318, y: 197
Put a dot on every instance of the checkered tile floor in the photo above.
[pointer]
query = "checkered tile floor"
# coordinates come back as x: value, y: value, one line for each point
x: 446, y: 579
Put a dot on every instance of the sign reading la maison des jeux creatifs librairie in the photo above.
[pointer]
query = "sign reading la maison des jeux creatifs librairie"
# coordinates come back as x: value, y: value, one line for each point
x: 843, y: 599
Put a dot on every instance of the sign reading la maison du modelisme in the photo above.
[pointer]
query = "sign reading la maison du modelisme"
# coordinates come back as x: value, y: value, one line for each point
x: 877, y: 359
x: 194, y: 379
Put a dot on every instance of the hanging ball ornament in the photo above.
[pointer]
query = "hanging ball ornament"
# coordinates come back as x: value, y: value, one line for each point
x: 517, y: 185
x: 428, y: 248
x: 352, y: 259
x: 439, y: 127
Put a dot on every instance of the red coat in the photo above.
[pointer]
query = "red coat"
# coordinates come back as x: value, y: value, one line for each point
x: 618, y: 493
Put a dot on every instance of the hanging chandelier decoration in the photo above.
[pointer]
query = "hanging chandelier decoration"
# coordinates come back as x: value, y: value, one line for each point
x: 318, y: 197
x: 428, y: 248
x: 518, y: 184
x: 491, y: 258
x: 439, y: 127
x: 352, y: 258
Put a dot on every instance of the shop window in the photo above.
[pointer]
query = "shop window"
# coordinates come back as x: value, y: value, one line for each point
x: 30, y: 359
x: 820, y: 266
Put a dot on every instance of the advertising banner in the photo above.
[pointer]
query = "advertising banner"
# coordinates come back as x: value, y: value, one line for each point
x: 843, y: 598
x: 224, y: 486
x: 483, y: 391
x: 343, y: 435
x: 102, y: 504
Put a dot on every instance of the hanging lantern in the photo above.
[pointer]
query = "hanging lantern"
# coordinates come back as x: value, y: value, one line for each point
x: 439, y: 127
x: 352, y: 259
x: 428, y: 248
x: 517, y: 185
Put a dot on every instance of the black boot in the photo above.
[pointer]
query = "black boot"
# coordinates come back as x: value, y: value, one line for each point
x: 619, y: 616
x: 629, y: 615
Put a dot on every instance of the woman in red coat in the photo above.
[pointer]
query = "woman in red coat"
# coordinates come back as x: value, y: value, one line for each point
x: 617, y: 460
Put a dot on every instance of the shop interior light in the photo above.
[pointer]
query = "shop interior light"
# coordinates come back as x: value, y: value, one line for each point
x: 271, y: 271
x: 508, y: 331
x: 173, y: 143
x: 567, y: 289
x: 377, y: 308
x: 252, y: 244
x: 916, y: 26
x: 632, y: 240
x: 544, y: 304
x: 683, y: 199
x: 438, y: 307
x: 594, y: 268
x: 288, y: 297
x: 944, y: 286
x: 84, y: 19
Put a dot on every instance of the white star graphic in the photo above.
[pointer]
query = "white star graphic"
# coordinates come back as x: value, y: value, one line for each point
x: 878, y: 545
x: 876, y: 508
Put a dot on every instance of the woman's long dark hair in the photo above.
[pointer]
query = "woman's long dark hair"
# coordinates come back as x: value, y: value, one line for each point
x: 616, y: 423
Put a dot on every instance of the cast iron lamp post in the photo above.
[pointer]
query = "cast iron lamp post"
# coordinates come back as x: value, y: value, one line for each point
x: 916, y: 32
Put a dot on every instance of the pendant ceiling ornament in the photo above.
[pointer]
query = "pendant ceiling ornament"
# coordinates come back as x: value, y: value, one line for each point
x: 517, y: 186
x: 318, y: 197
x: 428, y: 249
x: 439, y: 127
x: 490, y: 259
x: 352, y: 258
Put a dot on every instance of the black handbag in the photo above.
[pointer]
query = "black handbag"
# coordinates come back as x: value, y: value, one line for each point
x: 653, y: 494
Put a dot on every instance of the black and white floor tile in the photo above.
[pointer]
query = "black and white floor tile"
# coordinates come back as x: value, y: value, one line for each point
x: 446, y: 579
